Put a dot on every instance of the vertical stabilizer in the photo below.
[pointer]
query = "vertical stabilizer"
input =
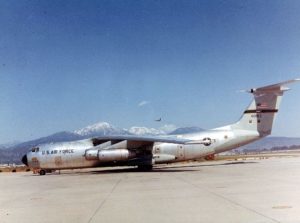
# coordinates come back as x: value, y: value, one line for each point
x: 259, y: 116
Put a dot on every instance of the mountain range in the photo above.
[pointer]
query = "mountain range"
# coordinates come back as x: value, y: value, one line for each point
x: 13, y: 153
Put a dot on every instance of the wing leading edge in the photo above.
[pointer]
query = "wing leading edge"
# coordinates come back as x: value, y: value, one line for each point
x: 162, y: 139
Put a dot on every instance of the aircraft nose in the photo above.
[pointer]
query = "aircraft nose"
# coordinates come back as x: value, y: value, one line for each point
x: 24, y: 160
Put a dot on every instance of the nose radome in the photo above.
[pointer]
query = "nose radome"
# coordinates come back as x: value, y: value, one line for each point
x: 24, y: 160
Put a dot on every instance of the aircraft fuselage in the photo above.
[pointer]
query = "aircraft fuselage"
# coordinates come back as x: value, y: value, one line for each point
x: 71, y: 155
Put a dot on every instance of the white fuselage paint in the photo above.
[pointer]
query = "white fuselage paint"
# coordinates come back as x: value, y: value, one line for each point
x: 71, y: 155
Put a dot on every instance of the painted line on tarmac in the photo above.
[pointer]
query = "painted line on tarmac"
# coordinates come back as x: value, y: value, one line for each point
x: 105, y: 199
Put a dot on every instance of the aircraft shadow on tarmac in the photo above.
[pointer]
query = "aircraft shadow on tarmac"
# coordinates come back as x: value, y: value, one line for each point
x: 163, y: 169
x: 135, y: 170
x: 116, y: 171
x: 212, y: 165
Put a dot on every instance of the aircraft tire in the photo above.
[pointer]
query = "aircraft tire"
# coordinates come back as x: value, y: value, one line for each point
x: 42, y: 172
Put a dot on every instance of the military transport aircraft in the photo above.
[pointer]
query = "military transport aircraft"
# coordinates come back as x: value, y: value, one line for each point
x: 143, y: 152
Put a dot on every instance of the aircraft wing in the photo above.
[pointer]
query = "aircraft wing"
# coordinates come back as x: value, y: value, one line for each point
x: 137, y: 141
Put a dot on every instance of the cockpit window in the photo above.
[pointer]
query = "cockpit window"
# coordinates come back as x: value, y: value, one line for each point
x: 35, y: 149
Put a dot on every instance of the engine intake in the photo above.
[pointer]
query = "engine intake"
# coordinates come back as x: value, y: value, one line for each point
x: 91, y: 154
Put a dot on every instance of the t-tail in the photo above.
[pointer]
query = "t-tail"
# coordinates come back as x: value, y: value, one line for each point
x: 260, y: 115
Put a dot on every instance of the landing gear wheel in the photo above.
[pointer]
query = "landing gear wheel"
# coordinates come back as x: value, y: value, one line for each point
x: 42, y: 172
x: 145, y: 167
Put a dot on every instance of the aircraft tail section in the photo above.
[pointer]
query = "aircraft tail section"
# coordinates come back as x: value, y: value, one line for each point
x: 260, y: 115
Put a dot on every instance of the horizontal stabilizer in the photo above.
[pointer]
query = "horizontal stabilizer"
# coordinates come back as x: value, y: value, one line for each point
x: 279, y: 87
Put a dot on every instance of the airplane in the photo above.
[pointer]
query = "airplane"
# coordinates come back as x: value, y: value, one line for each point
x: 255, y: 123
x: 158, y: 120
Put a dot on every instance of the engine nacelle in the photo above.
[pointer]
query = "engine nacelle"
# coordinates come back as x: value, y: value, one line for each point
x: 93, y: 153
x: 109, y: 155
x: 115, y: 155
x: 163, y: 158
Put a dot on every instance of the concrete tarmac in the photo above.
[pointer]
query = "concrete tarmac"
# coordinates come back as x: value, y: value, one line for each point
x: 254, y: 191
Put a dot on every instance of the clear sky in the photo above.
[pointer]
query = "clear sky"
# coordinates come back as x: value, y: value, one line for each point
x: 68, y: 64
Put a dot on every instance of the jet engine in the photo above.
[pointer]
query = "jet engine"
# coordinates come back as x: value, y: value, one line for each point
x: 108, y: 153
x: 115, y: 155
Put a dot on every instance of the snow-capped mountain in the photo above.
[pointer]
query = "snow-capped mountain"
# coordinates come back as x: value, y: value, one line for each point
x: 104, y: 128
x: 145, y: 131
x: 98, y: 129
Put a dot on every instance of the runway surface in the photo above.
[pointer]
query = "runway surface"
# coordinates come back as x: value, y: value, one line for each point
x: 210, y: 192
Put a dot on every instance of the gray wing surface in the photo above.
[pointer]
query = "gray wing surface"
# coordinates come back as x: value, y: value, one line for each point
x: 142, y: 139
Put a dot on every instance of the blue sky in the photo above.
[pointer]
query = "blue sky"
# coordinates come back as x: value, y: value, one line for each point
x: 68, y: 64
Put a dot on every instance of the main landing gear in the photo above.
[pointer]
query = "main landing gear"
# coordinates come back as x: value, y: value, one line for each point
x: 145, y: 168
x: 42, y: 172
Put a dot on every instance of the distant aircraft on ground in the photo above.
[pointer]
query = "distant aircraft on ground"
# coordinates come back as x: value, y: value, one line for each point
x: 143, y: 152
